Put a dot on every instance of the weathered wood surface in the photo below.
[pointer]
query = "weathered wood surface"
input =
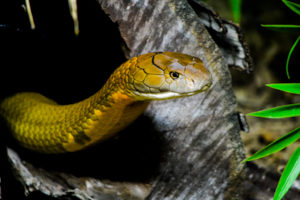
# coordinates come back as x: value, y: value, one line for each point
x: 195, y: 147
x: 258, y: 184
x: 62, y: 185
x: 201, y: 133
x: 261, y: 184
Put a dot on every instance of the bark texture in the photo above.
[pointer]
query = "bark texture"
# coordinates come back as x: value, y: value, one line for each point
x: 201, y: 133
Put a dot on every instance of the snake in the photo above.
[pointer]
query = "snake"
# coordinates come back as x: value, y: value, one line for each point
x: 40, y: 124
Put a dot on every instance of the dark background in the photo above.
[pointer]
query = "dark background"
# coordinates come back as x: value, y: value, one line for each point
x: 53, y: 61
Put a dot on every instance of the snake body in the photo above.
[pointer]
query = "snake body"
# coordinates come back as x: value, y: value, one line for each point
x: 40, y: 124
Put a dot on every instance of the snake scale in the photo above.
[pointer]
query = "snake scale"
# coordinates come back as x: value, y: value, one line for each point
x: 42, y: 125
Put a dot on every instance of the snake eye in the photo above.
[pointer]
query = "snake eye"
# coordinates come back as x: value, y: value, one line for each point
x: 174, y: 75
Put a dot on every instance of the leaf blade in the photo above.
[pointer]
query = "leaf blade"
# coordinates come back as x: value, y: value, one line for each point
x: 236, y: 9
x: 289, y: 175
x: 289, y: 56
x: 293, y: 6
x: 282, y: 27
x: 285, y: 111
x: 276, y: 146
x: 293, y: 88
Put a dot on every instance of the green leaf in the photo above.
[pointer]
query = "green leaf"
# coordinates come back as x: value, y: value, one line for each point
x: 293, y: 6
x: 277, y: 145
x: 282, y: 27
x: 289, y: 56
x: 286, y: 87
x: 289, y: 175
x: 236, y: 9
x: 290, y: 110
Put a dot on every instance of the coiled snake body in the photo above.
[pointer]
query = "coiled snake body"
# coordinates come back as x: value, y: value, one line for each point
x: 42, y: 125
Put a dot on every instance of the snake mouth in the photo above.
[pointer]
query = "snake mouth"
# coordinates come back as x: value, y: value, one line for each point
x: 204, y: 88
x: 161, y: 95
x: 171, y: 95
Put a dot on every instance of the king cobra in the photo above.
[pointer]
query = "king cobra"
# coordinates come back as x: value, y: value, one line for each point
x: 42, y: 125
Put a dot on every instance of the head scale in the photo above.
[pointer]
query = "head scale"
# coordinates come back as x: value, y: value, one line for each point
x: 167, y: 75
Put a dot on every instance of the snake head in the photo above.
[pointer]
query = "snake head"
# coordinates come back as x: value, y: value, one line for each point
x: 157, y: 76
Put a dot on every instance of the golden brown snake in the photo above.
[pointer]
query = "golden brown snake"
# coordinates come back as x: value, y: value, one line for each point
x: 42, y: 125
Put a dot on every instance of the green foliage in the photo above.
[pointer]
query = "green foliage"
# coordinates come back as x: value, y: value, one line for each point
x: 282, y: 27
x: 292, y: 169
x: 289, y: 56
x: 291, y: 110
x: 286, y: 87
x: 277, y: 145
x: 236, y: 9
x: 293, y: 6
x: 289, y: 175
x: 290, y: 28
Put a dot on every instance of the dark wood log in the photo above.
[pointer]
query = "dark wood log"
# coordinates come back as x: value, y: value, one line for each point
x: 188, y: 148
x: 261, y: 184
x: 66, y: 186
x: 258, y: 184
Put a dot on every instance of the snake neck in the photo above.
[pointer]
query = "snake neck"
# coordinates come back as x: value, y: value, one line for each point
x: 40, y: 124
x: 102, y: 115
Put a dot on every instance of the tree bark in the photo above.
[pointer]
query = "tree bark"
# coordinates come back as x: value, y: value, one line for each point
x: 201, y: 134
